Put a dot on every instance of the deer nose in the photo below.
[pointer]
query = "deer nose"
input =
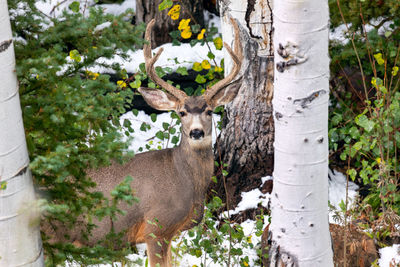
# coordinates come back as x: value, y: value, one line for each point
x: 196, y: 134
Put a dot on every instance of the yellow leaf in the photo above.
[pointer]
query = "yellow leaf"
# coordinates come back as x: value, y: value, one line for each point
x: 379, y: 58
x: 373, y: 81
x: 249, y: 239
x: 74, y: 55
x: 218, y: 43
x: 245, y: 263
x: 121, y: 84
x: 174, y: 12
x: 183, y: 24
x: 200, y: 36
x: 218, y: 69
x: 378, y: 160
x: 395, y: 70
x: 186, y: 33
x: 205, y: 64
x: 197, y: 66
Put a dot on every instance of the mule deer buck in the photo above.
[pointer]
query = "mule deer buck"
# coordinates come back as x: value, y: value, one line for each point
x: 170, y: 183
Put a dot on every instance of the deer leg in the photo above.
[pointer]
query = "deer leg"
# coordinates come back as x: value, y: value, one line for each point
x: 159, y: 252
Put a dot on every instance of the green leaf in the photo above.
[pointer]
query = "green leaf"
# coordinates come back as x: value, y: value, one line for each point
x: 164, y: 5
x: 160, y: 135
x: 343, y: 156
x: 74, y: 6
x: 200, y: 79
x: 153, y: 117
x: 144, y: 127
x: 336, y: 119
x: 142, y: 67
x: 127, y: 123
x: 357, y: 145
x: 160, y: 71
x: 225, y: 228
x: 210, y: 55
x: 352, y: 173
x: 198, y: 253
x: 195, y: 28
x: 365, y: 123
x: 175, y: 140
x: 182, y: 71
x: 354, y: 133
x: 165, y: 125
x: 136, y: 83
x: 172, y: 130
x: 387, y: 128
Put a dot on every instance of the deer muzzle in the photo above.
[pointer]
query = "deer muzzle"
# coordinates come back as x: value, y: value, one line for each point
x: 196, y: 134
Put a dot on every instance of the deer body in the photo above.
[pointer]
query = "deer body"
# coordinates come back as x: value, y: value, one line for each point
x: 180, y: 186
x: 170, y: 184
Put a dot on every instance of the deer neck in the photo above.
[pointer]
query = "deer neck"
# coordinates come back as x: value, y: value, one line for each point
x: 196, y: 161
x: 190, y: 150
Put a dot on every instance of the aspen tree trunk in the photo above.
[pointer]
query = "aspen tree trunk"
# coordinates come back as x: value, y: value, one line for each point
x: 299, y: 230
x: 146, y: 10
x: 20, y: 243
x: 245, y: 143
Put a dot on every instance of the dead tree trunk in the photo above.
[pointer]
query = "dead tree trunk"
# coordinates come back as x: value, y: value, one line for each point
x: 148, y: 9
x: 246, y: 140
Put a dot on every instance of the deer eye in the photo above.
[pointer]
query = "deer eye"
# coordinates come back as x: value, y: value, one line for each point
x: 182, y: 113
x: 209, y: 112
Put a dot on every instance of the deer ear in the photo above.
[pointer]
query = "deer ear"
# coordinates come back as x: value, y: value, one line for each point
x: 158, y: 99
x: 226, y: 94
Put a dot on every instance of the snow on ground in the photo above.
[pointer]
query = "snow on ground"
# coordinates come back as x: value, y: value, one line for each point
x: 54, y: 8
x: 118, y: 9
x: 251, y: 199
x: 337, y: 191
x: 390, y: 256
x: 184, y: 54
x: 340, y: 34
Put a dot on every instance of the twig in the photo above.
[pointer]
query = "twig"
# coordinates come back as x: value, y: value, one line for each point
x: 54, y: 8
x: 356, y: 52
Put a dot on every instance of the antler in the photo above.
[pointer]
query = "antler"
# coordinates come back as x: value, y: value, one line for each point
x: 237, y: 57
x: 149, y: 63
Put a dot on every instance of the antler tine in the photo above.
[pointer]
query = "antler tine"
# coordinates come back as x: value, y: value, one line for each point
x: 237, y: 57
x: 149, y: 63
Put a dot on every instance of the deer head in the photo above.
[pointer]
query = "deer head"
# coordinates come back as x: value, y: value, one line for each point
x: 195, y: 111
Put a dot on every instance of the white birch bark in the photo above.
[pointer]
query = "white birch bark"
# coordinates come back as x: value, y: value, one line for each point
x: 299, y: 230
x: 20, y: 243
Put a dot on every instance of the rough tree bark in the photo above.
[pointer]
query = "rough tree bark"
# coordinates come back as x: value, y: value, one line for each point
x: 146, y: 10
x: 299, y: 231
x: 20, y: 243
x: 246, y: 140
